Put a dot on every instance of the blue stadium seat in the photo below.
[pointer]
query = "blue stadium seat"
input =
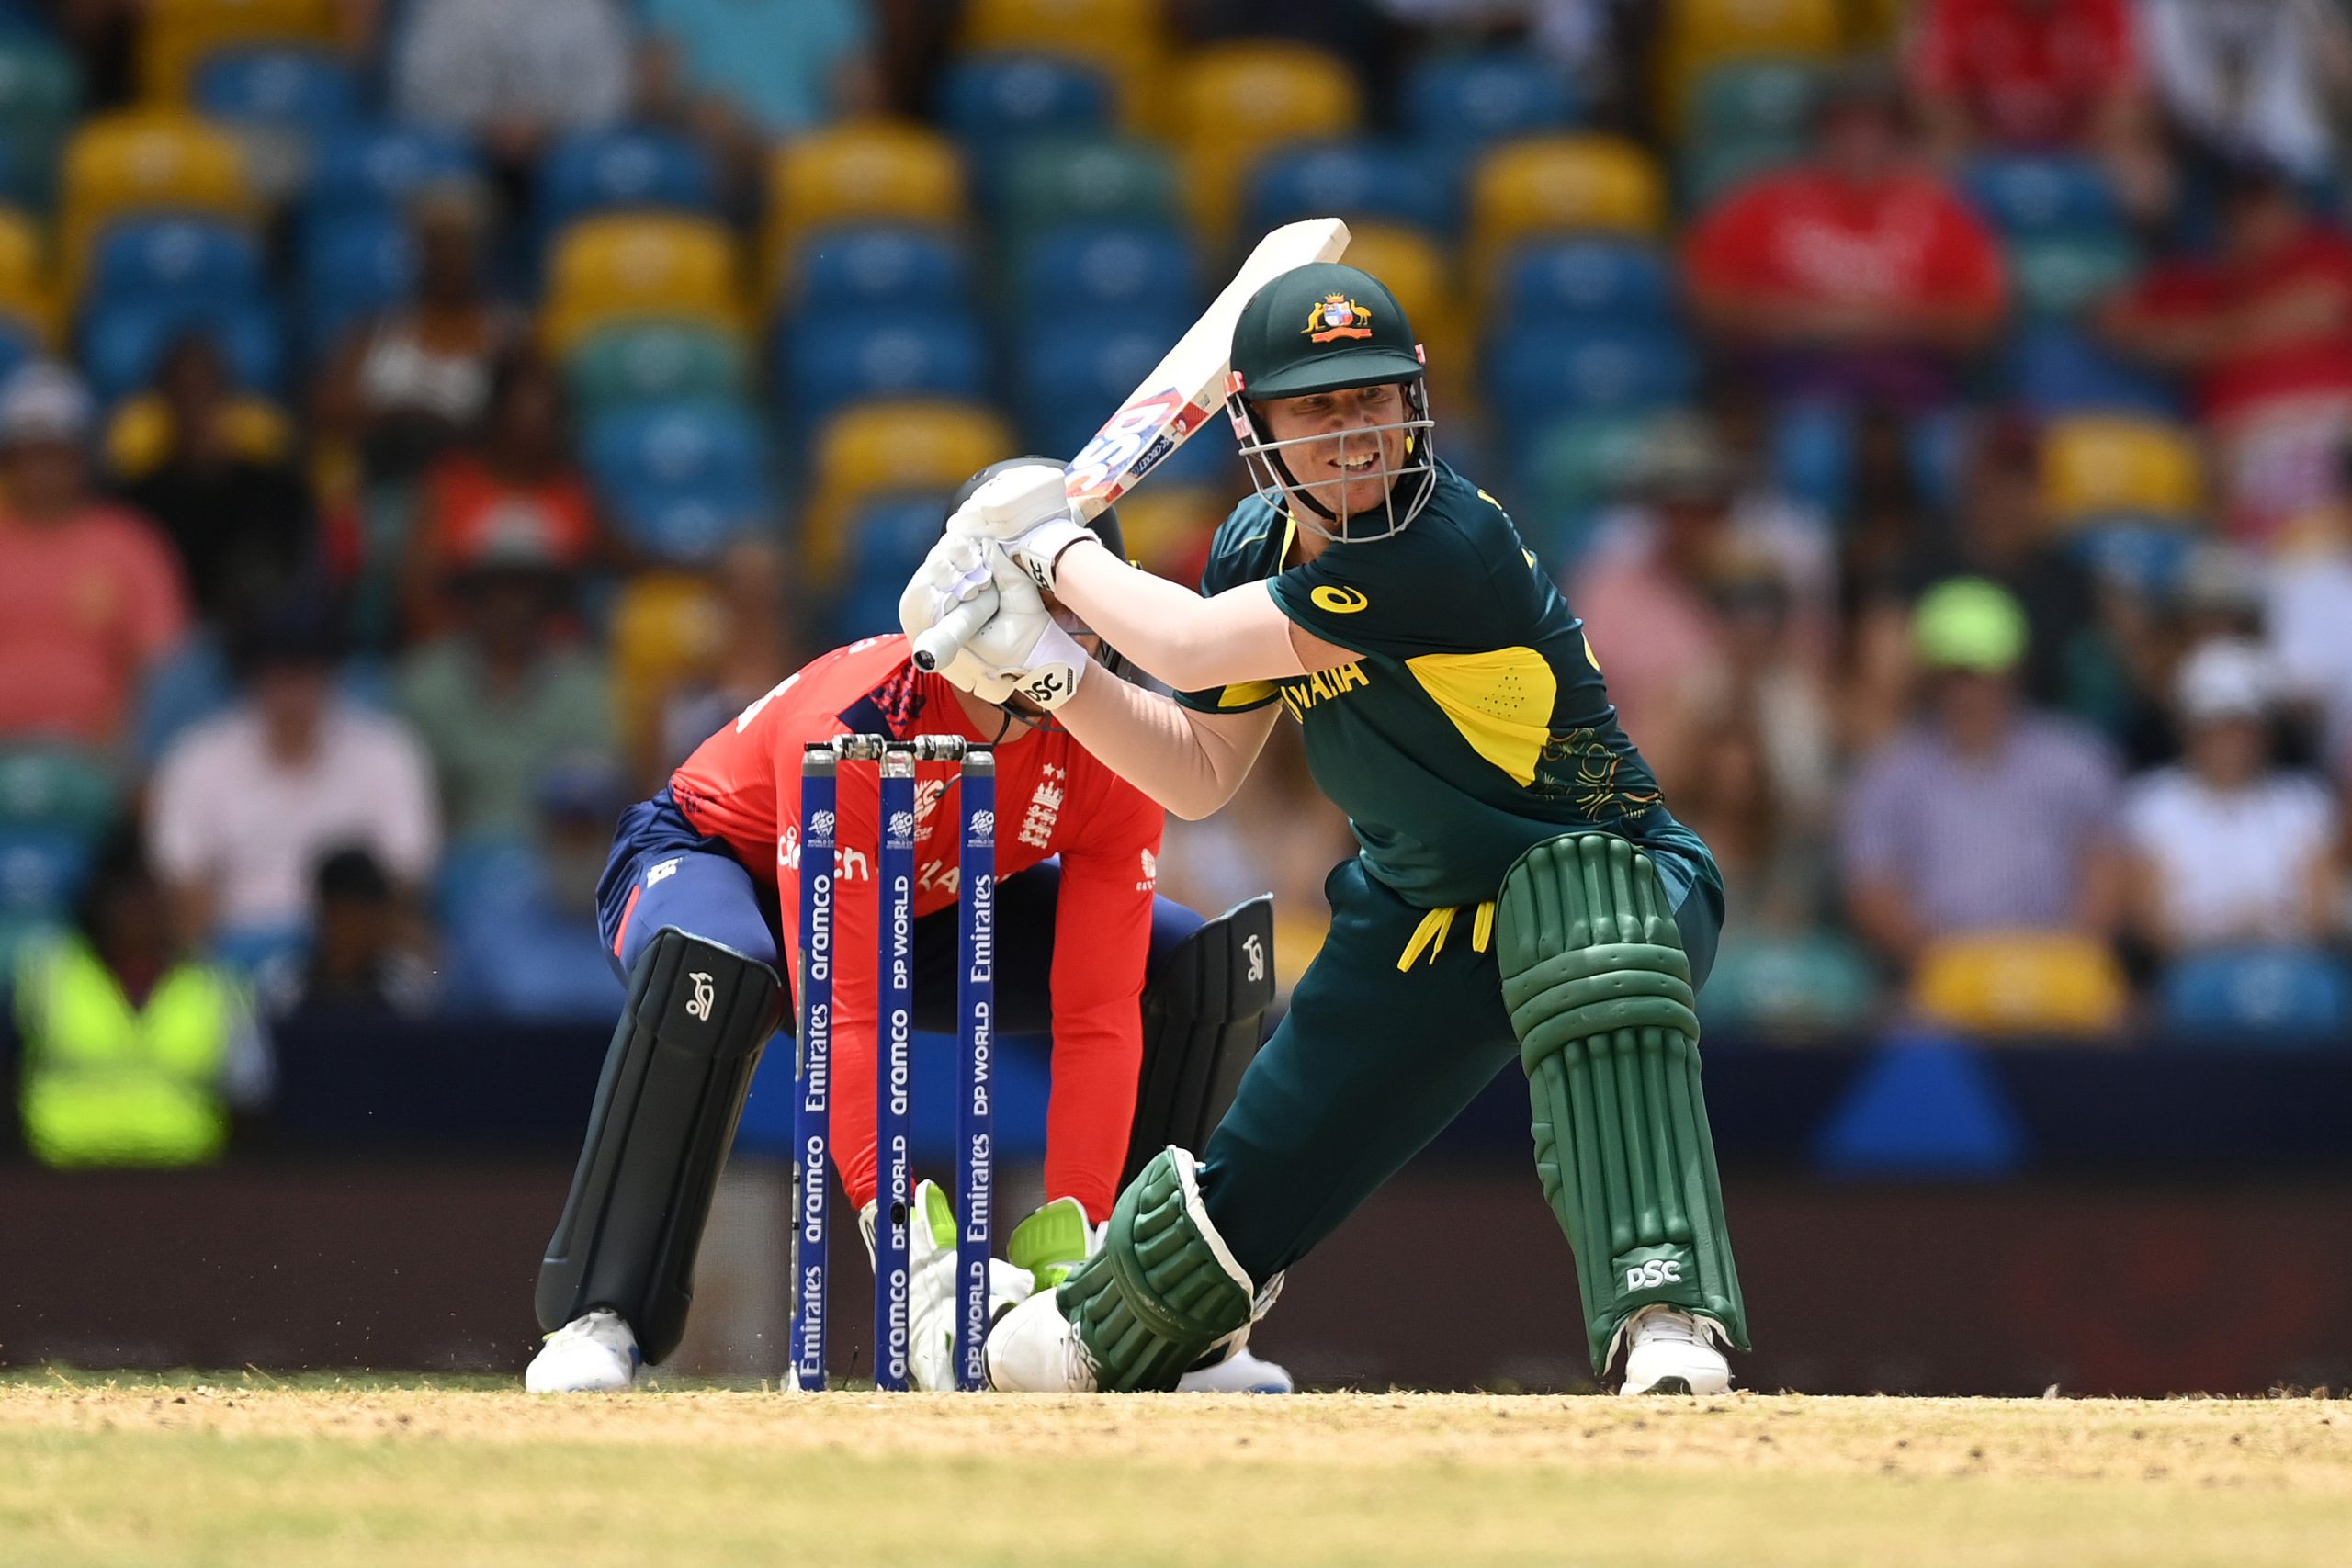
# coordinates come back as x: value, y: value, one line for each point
x: 123, y: 342
x: 1539, y: 370
x: 1460, y: 103
x: 1143, y: 267
x: 2058, y: 369
x: 2144, y: 556
x: 1383, y: 180
x: 512, y: 954
x: 903, y: 265
x: 888, y: 540
x: 309, y: 92
x: 990, y: 101
x: 2268, y: 997
x: 682, y: 481
x: 381, y: 165
x: 601, y: 170
x: 2029, y: 194
x: 41, y: 91
x: 353, y: 264
x: 1071, y: 371
x: 56, y: 786
x: 18, y: 343
x: 180, y: 259
x: 1622, y: 280
x: 829, y: 358
x: 40, y: 869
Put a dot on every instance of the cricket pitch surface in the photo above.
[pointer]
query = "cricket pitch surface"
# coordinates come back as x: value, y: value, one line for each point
x: 248, y: 1470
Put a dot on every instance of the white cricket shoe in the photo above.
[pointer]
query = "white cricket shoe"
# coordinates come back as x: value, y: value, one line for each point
x: 1034, y: 1349
x: 1673, y: 1351
x: 594, y: 1353
x: 1240, y: 1372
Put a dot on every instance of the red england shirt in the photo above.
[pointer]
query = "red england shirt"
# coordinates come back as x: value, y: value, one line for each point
x: 1805, y: 235
x: 2241, y: 383
x: 2031, y: 75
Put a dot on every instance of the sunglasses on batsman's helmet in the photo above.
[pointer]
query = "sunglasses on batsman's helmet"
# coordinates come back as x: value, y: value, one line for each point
x: 1306, y: 340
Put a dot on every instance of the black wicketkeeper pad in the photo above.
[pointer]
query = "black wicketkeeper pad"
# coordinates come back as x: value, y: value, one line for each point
x: 1204, y: 1011
x: 1600, y: 998
x: 674, y: 1082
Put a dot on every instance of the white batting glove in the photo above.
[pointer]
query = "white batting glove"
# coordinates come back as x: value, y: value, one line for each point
x: 956, y: 573
x: 1024, y: 643
x: 1026, y: 510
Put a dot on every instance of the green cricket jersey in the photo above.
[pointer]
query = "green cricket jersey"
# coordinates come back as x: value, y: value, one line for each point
x: 1474, y: 725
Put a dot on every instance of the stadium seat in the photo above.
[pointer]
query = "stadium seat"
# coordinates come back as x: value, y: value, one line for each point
x: 884, y: 263
x: 1456, y: 105
x: 590, y: 171
x: 124, y: 340
x: 178, y: 36
x: 666, y: 626
x: 1747, y: 100
x: 1146, y: 268
x: 42, y: 868
x: 827, y: 356
x: 1164, y: 523
x: 351, y: 263
x: 2021, y: 982
x: 1071, y: 371
x: 2060, y: 276
x: 2101, y: 465
x: 281, y: 100
x: 1235, y: 101
x: 1697, y: 34
x: 648, y: 362
x: 1561, y: 183
x: 20, y: 343
x: 1536, y: 369
x: 2046, y: 194
x: 1124, y: 40
x: 2055, y: 369
x: 378, y: 166
x: 1797, y: 988
x: 1596, y: 279
x: 24, y: 296
x: 868, y: 449
x: 55, y: 786
x: 2146, y: 556
x: 623, y: 267
x: 1575, y: 467
x: 682, y: 480
x: 991, y: 103
x: 888, y: 540
x: 1105, y: 179
x: 2260, y: 996
x: 41, y: 91
x: 1708, y: 174
x: 139, y: 163
x: 1418, y: 273
x: 177, y: 259
x: 1385, y: 182
x: 867, y: 172
x: 139, y: 435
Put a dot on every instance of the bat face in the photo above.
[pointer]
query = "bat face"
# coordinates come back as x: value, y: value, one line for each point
x: 1133, y: 443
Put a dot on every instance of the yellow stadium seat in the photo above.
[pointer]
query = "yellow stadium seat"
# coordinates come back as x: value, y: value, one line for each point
x: 141, y: 433
x: 866, y: 172
x: 178, y: 34
x: 2101, y: 465
x: 1234, y: 102
x: 24, y: 292
x: 871, y: 448
x: 1417, y: 272
x: 2022, y: 981
x: 1700, y: 34
x: 1163, y: 525
x: 1555, y: 183
x: 666, y: 627
x: 1124, y: 40
x: 622, y: 268
x: 145, y: 161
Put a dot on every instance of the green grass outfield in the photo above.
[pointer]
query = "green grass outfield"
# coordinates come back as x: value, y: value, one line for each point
x: 259, y: 1473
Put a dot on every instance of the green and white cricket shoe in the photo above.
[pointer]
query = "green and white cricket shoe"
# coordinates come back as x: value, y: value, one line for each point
x: 594, y: 1353
x: 933, y: 1299
x: 1670, y: 1350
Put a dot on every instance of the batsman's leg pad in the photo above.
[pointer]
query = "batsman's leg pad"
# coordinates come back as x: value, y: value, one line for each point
x: 1162, y: 1289
x: 674, y: 1081
x: 1600, y: 998
x: 1204, y: 1011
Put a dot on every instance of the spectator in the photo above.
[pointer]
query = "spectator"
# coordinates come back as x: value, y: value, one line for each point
x: 751, y: 651
x: 1852, y: 279
x: 245, y: 806
x: 2264, y: 332
x: 2250, y: 78
x: 357, y: 960
x: 746, y: 74
x: 416, y: 380
x: 240, y: 517
x: 512, y: 73
x: 504, y: 695
x: 1762, y: 815
x: 89, y: 596
x: 134, y: 1052
x: 517, y: 489
x: 526, y: 945
x: 2039, y: 75
x: 2226, y: 849
x: 1987, y: 814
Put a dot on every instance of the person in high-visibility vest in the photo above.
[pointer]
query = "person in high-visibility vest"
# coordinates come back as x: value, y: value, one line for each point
x: 134, y: 1054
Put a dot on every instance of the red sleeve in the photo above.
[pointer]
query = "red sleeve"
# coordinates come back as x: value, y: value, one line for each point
x: 1935, y: 49
x: 1729, y: 248
x: 1102, y: 938
x: 2119, y: 31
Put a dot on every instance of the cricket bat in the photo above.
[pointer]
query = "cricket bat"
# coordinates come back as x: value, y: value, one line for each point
x: 1184, y: 389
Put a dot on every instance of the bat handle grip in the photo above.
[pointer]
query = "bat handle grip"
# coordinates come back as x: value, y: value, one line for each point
x: 943, y: 642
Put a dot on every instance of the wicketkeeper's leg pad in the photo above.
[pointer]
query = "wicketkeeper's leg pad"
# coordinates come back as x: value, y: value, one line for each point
x: 1600, y: 995
x: 1162, y: 1289
x: 674, y: 1082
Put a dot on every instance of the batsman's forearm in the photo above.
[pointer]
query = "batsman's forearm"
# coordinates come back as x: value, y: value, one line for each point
x: 1190, y: 766
x: 1189, y: 642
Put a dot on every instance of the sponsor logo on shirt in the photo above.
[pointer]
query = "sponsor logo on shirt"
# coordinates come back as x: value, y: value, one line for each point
x: 1151, y: 873
x: 662, y: 871
x: 1338, y: 601
x: 1321, y: 686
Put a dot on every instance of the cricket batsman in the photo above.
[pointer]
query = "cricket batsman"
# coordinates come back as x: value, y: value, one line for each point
x: 1520, y: 888
x: 701, y: 898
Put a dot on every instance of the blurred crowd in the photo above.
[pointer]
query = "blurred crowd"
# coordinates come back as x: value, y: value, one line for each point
x: 423, y: 421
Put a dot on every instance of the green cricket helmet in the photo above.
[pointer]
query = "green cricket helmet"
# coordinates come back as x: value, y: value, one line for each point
x: 1329, y: 327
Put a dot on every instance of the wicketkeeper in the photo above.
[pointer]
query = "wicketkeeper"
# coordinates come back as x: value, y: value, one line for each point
x: 1154, y: 1013
x: 1520, y: 888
